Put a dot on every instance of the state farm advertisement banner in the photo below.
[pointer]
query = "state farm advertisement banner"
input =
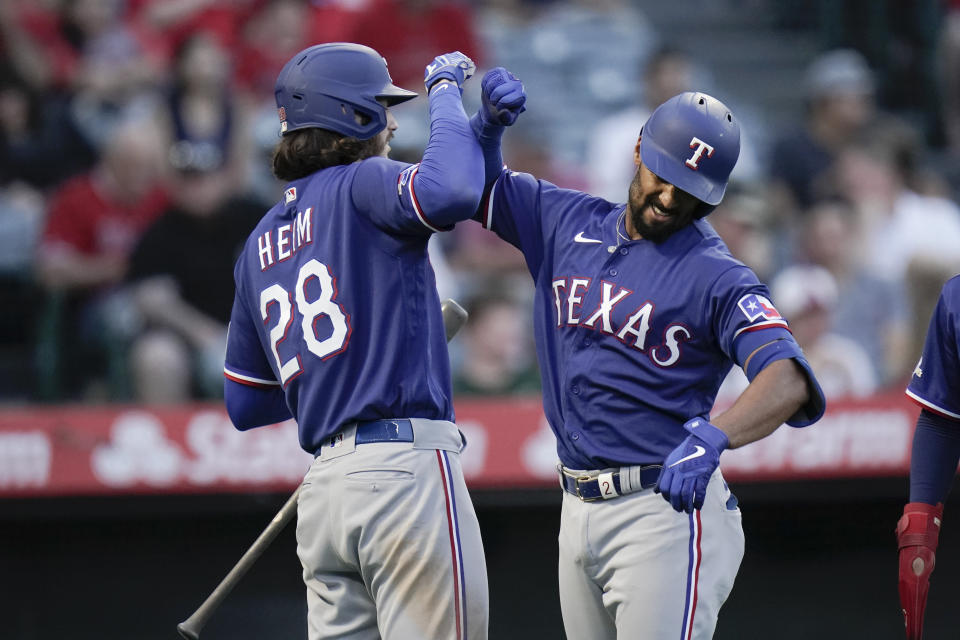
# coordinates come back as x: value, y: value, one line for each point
x: 191, y: 449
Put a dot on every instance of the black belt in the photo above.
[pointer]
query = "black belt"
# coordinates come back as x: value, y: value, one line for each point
x: 593, y: 485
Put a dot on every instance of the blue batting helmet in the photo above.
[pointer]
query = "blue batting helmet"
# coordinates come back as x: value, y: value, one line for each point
x: 692, y: 141
x: 335, y: 86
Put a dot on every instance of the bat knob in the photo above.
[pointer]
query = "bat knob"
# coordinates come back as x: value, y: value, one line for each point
x: 187, y: 632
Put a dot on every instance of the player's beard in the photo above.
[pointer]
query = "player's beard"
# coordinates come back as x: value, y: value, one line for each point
x: 383, y: 143
x: 656, y: 231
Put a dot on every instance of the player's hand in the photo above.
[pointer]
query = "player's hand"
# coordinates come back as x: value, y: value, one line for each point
x: 502, y: 97
x: 687, y: 470
x: 455, y: 67
x: 918, y: 532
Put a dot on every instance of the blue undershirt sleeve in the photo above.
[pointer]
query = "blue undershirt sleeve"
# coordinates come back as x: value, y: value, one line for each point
x: 488, y: 135
x: 449, y: 181
x: 936, y: 452
x: 250, y: 407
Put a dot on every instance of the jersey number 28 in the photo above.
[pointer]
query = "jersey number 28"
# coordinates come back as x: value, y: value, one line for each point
x: 309, y: 311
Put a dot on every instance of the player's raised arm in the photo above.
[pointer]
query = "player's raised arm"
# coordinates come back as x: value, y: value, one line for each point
x: 448, y: 181
x: 502, y: 101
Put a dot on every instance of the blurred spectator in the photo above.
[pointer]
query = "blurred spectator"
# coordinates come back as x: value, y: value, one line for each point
x: 895, y: 222
x: 175, y: 21
x: 93, y: 222
x: 584, y: 57
x: 497, y: 358
x: 521, y: 152
x: 181, y: 275
x: 609, y: 151
x: 47, y: 41
x: 950, y: 74
x: 276, y: 31
x: 743, y: 221
x: 869, y: 310
x: 40, y: 143
x: 21, y: 218
x: 609, y: 157
x: 204, y: 124
x: 18, y: 19
x: 108, y: 62
x: 409, y: 33
x: 806, y: 296
x: 95, y: 219
x: 839, y: 90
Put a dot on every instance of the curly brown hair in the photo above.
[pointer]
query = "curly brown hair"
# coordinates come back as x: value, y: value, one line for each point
x: 306, y: 151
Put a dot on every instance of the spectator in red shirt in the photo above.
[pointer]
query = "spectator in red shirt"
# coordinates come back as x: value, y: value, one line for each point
x: 405, y: 32
x: 95, y: 219
x: 59, y: 48
x: 271, y: 37
x: 175, y: 21
x: 92, y: 225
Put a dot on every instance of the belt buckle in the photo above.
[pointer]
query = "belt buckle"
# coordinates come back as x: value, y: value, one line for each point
x: 576, y: 485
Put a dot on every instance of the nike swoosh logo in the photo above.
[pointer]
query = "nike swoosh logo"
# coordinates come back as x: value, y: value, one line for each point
x: 579, y: 238
x: 699, y: 451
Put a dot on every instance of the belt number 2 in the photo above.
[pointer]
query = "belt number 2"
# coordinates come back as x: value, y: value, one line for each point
x: 309, y: 311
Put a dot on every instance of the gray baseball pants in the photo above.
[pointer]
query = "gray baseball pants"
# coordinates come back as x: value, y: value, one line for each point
x: 389, y: 541
x: 633, y: 568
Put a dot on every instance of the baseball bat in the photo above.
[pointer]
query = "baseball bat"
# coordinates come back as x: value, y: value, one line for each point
x: 454, y: 317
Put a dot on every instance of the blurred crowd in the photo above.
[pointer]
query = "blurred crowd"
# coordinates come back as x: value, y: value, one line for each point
x: 135, y: 138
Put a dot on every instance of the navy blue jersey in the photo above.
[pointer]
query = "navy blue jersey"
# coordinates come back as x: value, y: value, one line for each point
x: 935, y: 384
x: 336, y: 302
x: 634, y: 338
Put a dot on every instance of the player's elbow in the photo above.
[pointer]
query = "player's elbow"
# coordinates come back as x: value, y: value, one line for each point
x: 792, y: 388
x: 452, y: 192
x: 249, y: 407
x: 239, y: 413
x: 467, y: 198
x: 800, y: 392
x: 241, y: 421
x: 460, y: 200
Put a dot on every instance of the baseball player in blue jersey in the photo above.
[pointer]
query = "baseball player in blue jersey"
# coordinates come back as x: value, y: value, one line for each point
x: 337, y: 323
x: 935, y: 386
x: 640, y: 312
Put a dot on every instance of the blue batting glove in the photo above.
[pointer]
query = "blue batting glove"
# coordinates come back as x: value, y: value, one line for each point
x: 687, y: 470
x: 502, y: 97
x: 454, y: 67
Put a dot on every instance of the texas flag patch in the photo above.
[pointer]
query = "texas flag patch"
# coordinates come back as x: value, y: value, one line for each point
x: 756, y: 307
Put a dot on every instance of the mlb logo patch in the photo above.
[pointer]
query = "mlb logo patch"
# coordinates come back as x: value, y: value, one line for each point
x: 755, y: 307
x: 290, y: 195
x: 336, y: 440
